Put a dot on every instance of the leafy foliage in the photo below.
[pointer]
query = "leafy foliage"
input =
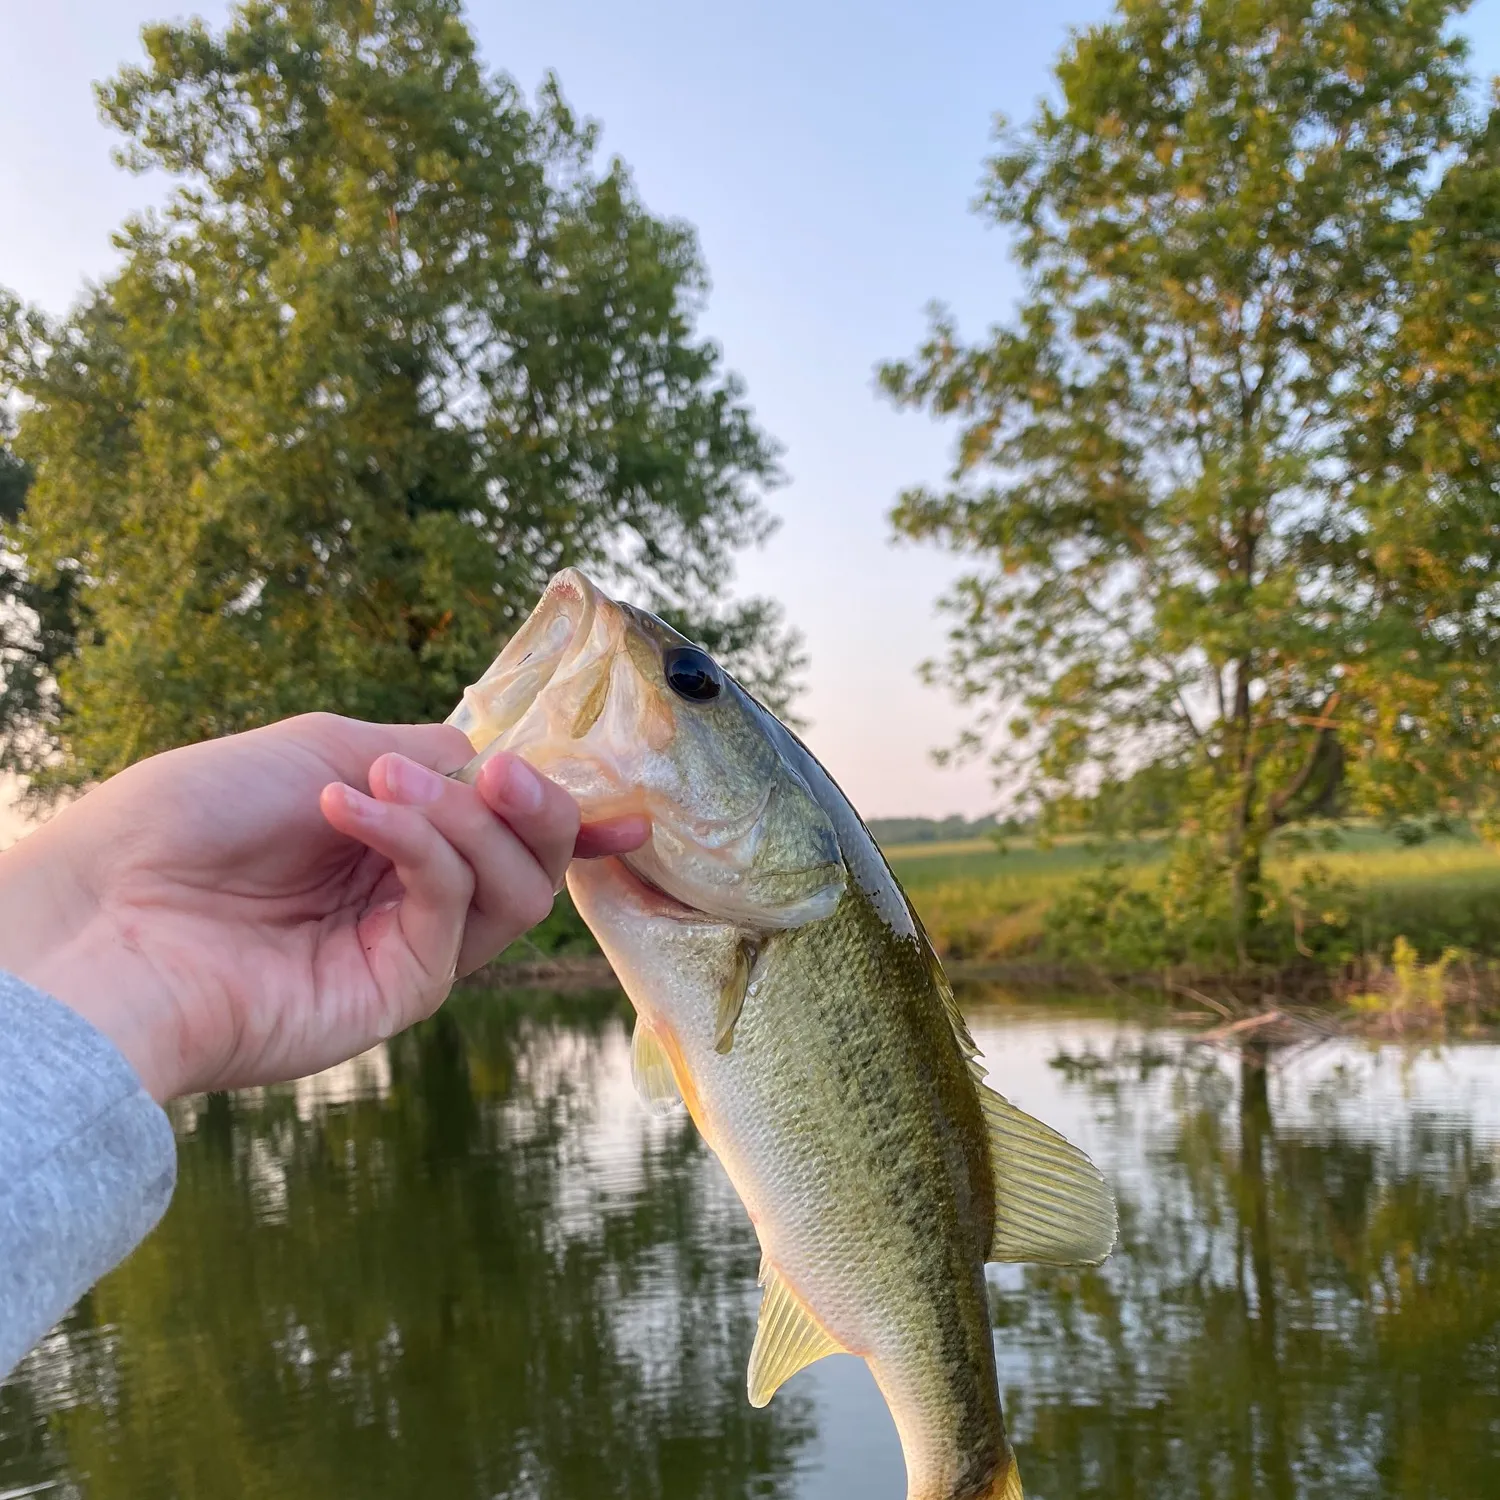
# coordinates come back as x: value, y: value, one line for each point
x: 1198, y: 540
x: 37, y: 612
x: 1428, y: 450
x: 396, y: 350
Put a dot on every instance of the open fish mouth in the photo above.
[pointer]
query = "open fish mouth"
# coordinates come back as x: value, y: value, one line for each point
x: 513, y: 682
x: 585, y: 652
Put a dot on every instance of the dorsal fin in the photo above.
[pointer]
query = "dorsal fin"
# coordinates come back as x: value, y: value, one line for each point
x: 651, y: 1072
x: 787, y: 1339
x: 966, y: 1042
x: 1052, y: 1204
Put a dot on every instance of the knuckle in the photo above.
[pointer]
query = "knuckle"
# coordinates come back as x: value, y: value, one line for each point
x: 465, y: 882
x: 318, y: 722
x: 532, y: 903
x: 433, y: 999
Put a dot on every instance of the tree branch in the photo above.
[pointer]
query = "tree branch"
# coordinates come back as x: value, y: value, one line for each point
x: 1278, y: 803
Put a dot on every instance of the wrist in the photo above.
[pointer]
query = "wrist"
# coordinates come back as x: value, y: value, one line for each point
x: 55, y: 935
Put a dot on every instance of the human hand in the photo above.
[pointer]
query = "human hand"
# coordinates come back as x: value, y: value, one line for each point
x: 243, y: 911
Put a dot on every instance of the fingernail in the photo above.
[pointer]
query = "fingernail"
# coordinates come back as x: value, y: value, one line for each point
x: 520, y: 786
x: 408, y: 781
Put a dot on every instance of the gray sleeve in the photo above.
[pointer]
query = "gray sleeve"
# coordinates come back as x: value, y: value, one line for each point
x: 87, y: 1162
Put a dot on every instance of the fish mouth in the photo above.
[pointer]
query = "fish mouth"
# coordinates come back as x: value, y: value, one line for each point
x: 554, y: 631
x: 582, y: 650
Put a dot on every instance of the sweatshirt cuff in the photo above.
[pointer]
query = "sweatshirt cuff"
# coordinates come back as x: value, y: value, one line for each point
x: 87, y: 1162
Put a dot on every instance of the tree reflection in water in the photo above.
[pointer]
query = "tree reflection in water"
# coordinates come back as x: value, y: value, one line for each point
x: 469, y: 1266
x: 1291, y: 1313
x: 489, y: 1276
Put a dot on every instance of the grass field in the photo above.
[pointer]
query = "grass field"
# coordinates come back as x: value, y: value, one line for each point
x: 979, y: 902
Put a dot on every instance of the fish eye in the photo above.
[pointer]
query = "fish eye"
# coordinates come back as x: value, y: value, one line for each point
x: 692, y: 674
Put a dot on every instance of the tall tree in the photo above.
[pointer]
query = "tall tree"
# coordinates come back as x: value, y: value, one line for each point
x: 394, y: 351
x: 1428, y: 455
x: 1161, y: 479
x: 37, y: 612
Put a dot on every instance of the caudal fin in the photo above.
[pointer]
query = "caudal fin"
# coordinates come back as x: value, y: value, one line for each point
x: 1008, y: 1486
x: 1003, y: 1484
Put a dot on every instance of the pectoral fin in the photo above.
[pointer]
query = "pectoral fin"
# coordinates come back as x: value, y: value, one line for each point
x: 1052, y: 1204
x: 787, y: 1339
x: 651, y: 1072
x: 732, y: 997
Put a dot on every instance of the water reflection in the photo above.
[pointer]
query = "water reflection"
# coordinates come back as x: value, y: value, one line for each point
x: 467, y: 1264
x: 1307, y: 1298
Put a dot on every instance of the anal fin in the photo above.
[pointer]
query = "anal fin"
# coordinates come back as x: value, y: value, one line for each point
x: 787, y: 1339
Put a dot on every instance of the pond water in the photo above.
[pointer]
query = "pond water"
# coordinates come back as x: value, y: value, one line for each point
x: 468, y: 1264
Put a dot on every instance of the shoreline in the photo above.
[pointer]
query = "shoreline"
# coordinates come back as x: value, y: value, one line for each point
x: 1375, y: 1000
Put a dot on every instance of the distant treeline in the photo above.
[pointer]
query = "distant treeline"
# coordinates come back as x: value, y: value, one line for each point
x: 890, y: 831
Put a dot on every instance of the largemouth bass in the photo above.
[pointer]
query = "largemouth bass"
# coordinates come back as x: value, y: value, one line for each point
x: 786, y: 993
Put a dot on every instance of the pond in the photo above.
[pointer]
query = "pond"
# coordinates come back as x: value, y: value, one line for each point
x: 468, y: 1264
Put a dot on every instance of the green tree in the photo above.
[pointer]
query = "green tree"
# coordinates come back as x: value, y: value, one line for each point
x: 1183, y: 550
x: 395, y: 350
x: 37, y: 612
x: 1428, y: 452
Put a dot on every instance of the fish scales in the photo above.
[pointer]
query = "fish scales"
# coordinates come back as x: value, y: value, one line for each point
x: 894, y: 1195
x: 858, y: 1150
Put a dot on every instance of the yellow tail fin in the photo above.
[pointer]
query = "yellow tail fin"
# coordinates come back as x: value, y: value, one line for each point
x: 1004, y: 1484
x: 1007, y: 1485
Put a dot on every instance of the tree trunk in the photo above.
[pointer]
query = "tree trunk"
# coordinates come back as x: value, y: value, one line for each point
x: 1242, y: 842
x: 1245, y: 883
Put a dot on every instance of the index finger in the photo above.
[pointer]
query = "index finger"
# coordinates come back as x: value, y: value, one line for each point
x: 612, y: 836
x: 538, y: 811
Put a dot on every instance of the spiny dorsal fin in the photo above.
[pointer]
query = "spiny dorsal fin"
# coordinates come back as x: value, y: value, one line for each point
x: 1052, y: 1204
x: 787, y: 1339
x: 966, y: 1042
x: 651, y: 1072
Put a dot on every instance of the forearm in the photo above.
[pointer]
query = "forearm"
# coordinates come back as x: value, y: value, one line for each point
x: 87, y: 1162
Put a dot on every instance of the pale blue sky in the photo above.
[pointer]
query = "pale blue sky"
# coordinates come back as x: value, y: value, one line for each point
x: 826, y: 152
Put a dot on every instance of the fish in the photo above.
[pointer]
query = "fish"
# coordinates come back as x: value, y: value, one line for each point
x: 788, y: 997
